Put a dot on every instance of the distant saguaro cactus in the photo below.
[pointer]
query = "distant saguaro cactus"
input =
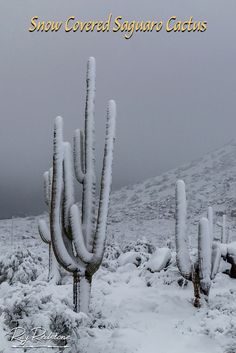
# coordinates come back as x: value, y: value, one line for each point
x: 224, y: 230
x: 53, y: 272
x: 78, y: 237
x: 205, y: 267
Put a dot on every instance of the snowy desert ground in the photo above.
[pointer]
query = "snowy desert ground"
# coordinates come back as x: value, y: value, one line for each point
x: 132, y: 309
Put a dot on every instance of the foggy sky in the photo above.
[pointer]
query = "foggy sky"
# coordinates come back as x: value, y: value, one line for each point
x: 175, y: 92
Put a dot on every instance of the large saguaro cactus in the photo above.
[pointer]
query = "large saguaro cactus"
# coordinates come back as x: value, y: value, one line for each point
x: 206, y: 265
x: 78, y: 236
x: 53, y: 269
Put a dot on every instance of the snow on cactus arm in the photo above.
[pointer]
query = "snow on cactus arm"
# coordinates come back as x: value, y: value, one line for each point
x: 46, y: 187
x: 224, y: 233
x: 63, y: 257
x: 159, y: 260
x: 68, y: 200
x: 181, y: 237
x: 106, y: 180
x: 204, y: 255
x: 89, y: 183
x: 44, y: 231
x: 77, y: 235
x: 210, y: 217
x: 79, y: 155
x: 215, y: 260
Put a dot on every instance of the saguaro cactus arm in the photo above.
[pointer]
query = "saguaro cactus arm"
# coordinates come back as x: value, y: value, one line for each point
x: 106, y: 179
x: 89, y: 182
x: 181, y: 237
x: 46, y: 187
x: 68, y: 188
x: 79, y: 155
x: 64, y: 257
x: 204, y: 255
x: 210, y: 217
x: 215, y: 260
x: 224, y: 234
x: 44, y: 231
x: 77, y: 233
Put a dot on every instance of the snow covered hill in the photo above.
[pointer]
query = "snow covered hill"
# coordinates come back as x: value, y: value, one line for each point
x: 147, y: 209
x: 133, y: 310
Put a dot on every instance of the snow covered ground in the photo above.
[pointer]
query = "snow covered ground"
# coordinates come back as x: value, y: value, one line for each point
x: 132, y: 309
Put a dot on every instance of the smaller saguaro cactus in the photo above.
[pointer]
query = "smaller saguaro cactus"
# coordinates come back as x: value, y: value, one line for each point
x: 206, y: 265
x: 210, y: 217
x: 53, y: 269
x: 224, y: 230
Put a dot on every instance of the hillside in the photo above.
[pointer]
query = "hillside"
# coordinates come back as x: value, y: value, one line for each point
x: 147, y: 209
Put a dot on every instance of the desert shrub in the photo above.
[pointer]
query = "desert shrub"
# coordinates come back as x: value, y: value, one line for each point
x: 20, y: 266
x: 41, y: 306
x: 112, y: 252
x: 141, y: 246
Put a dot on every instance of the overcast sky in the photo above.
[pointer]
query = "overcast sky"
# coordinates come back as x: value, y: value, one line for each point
x: 175, y: 92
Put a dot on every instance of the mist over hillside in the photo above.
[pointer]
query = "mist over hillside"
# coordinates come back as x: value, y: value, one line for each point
x: 147, y: 209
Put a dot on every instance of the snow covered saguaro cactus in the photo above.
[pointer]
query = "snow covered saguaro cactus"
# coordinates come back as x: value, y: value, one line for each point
x: 224, y: 230
x: 182, y: 239
x: 53, y: 270
x: 210, y: 216
x: 205, y: 267
x: 78, y: 237
x: 224, y: 237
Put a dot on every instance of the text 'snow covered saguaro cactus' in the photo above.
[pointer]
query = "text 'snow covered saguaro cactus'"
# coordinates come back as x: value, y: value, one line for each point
x: 53, y: 272
x: 206, y: 265
x: 78, y: 236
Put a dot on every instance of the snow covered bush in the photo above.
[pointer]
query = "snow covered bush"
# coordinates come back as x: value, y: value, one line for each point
x: 67, y: 322
x: 135, y: 252
x: 159, y: 260
x: 206, y: 265
x: 141, y: 245
x: 40, y: 306
x: 131, y: 257
x: 78, y: 236
x: 111, y: 254
x: 20, y: 266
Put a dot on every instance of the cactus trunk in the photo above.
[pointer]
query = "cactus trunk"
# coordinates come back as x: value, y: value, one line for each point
x: 85, y: 293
